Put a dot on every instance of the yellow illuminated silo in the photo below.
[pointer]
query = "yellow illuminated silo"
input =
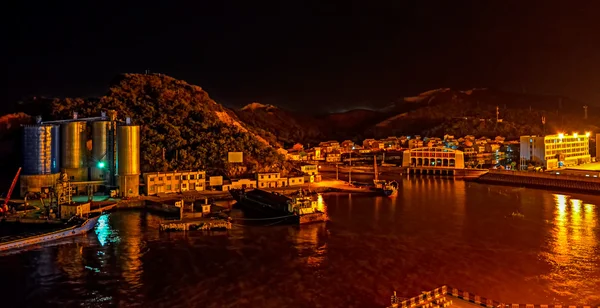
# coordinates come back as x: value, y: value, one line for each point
x: 128, y: 159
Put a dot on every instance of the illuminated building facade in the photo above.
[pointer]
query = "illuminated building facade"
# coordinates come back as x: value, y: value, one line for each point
x: 556, y: 151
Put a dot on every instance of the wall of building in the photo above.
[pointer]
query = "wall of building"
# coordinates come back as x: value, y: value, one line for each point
x: 172, y: 182
x: 34, y: 183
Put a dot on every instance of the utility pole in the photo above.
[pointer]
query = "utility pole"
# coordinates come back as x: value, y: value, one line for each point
x: 350, y: 171
x: 337, y: 167
x: 585, y: 112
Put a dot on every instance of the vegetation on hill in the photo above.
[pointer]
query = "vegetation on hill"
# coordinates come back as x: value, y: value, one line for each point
x: 194, y: 131
x: 285, y: 127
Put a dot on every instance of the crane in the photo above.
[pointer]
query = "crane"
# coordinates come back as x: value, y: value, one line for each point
x: 4, y: 207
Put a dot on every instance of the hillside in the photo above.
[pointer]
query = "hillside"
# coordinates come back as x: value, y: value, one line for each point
x: 195, y: 131
x: 281, y: 126
x: 446, y: 111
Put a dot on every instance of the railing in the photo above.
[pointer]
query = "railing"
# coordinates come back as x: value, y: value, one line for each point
x: 433, y: 299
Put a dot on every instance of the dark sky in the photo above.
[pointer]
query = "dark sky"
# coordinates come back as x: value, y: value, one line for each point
x: 305, y: 54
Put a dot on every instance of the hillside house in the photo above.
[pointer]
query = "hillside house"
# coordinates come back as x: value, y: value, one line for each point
x: 333, y: 157
x: 296, y: 180
x: 310, y: 169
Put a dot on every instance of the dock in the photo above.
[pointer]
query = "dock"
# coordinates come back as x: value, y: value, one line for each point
x: 445, y: 296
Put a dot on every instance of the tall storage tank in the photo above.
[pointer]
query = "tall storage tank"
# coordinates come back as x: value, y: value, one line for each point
x: 128, y: 159
x: 73, y: 150
x: 101, y: 160
x: 55, y: 152
x: 37, y: 149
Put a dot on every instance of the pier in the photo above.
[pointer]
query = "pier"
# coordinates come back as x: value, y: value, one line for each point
x: 204, y: 224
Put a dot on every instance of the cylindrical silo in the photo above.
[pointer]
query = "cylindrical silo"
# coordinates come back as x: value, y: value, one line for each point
x: 74, y: 151
x: 101, y: 162
x: 37, y: 149
x: 128, y: 159
x: 55, y: 155
x: 40, y: 158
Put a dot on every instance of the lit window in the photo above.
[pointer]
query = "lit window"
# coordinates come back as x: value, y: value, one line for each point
x: 183, y: 185
x: 160, y: 178
x: 184, y: 177
x: 168, y: 178
x: 192, y: 176
x: 151, y: 179
x: 168, y: 187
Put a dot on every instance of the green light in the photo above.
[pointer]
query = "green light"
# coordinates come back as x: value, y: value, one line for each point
x: 100, y: 164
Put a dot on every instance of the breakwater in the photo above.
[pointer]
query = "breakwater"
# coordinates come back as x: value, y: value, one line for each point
x: 541, y: 180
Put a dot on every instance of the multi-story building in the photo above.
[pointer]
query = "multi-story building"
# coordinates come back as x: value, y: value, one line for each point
x: 239, y: 184
x: 270, y: 180
x: 333, y: 157
x: 310, y: 169
x: 555, y: 151
x: 176, y: 181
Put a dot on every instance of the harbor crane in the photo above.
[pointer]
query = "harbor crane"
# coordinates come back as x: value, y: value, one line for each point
x: 4, y: 207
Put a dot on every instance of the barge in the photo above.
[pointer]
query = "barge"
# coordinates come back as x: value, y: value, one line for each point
x: 297, y: 209
x: 80, y: 228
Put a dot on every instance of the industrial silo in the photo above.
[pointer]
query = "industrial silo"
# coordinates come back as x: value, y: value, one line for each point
x: 40, y: 157
x: 37, y: 149
x: 74, y: 151
x: 101, y: 160
x: 128, y: 159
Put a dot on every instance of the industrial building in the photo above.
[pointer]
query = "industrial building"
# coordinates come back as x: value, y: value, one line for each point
x: 556, y: 151
x: 172, y: 182
x: 56, y: 156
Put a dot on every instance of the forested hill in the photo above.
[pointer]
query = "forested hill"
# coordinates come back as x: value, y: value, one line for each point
x: 195, y: 131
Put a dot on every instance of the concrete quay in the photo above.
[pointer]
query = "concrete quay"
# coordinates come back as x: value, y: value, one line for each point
x: 541, y: 180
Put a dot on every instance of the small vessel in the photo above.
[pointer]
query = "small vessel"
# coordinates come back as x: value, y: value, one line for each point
x: 297, y: 209
x: 388, y: 188
x: 82, y: 227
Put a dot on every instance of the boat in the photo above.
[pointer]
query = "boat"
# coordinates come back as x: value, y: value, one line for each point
x: 297, y: 209
x: 82, y: 227
x: 387, y: 188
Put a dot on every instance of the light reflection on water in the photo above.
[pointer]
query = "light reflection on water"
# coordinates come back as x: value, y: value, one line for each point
x: 433, y: 232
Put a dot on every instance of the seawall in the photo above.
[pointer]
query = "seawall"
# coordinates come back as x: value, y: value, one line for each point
x: 541, y: 180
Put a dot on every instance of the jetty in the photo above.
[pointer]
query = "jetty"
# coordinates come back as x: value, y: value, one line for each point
x: 445, y: 296
x: 201, y: 224
x: 210, y: 217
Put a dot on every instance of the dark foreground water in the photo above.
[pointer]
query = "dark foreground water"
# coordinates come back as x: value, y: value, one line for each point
x: 434, y: 232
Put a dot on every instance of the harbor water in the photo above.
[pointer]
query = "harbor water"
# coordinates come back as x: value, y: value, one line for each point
x: 514, y: 245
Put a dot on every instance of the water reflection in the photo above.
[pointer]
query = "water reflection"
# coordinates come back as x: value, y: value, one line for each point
x: 573, y: 243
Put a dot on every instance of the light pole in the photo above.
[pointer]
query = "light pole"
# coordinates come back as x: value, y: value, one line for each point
x: 350, y: 171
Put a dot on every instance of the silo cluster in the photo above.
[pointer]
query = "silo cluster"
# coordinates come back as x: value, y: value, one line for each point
x: 54, y: 147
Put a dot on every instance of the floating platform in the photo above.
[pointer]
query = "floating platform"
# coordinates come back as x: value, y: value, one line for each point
x: 203, y: 224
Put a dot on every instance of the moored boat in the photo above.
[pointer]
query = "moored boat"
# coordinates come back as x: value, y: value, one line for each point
x: 297, y: 209
x: 387, y: 188
x: 81, y: 228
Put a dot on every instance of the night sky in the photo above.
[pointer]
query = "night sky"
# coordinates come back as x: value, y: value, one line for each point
x: 305, y: 55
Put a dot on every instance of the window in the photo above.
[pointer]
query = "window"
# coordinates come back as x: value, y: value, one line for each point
x: 151, y: 187
x: 262, y: 184
x: 269, y: 176
x: 176, y: 177
x: 184, y: 177
x: 168, y: 178
x: 168, y: 187
x: 160, y: 178
x: 262, y: 177
x: 183, y: 185
x: 192, y: 176
x: 151, y: 179
x: 176, y: 186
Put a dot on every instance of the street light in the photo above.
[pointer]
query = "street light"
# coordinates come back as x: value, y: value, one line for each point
x: 100, y: 164
x: 587, y: 134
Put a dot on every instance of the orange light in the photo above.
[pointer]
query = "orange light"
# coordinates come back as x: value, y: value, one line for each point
x: 561, y: 135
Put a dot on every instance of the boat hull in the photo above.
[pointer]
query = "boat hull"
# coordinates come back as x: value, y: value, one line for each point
x: 85, y: 227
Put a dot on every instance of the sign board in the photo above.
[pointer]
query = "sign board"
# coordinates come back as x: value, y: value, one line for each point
x: 216, y: 180
x: 235, y: 157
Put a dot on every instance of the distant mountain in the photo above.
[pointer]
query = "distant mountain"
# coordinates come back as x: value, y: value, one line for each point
x: 447, y: 111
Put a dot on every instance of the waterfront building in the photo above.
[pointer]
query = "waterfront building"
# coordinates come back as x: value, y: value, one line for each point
x: 174, y: 181
x: 438, y: 157
x: 296, y: 180
x: 310, y: 169
x: 239, y: 184
x: 270, y: 180
x: 556, y: 151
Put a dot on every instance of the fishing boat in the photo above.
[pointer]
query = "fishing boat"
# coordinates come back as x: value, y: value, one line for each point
x: 81, y: 227
x: 297, y: 209
x: 387, y: 188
